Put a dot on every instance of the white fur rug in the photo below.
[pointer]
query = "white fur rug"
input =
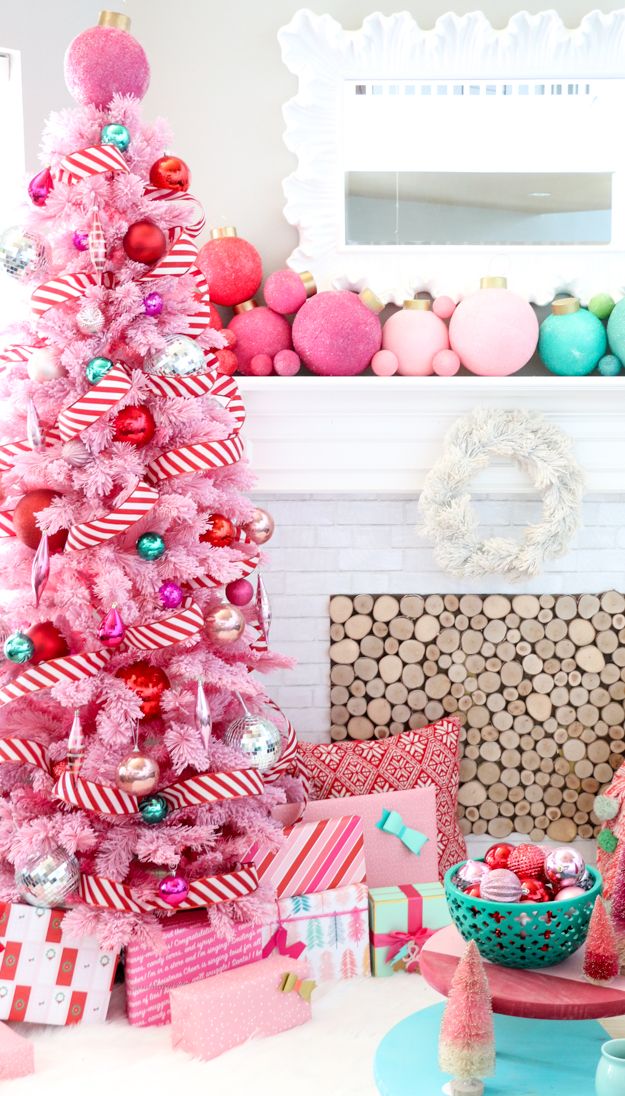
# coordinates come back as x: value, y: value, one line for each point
x: 332, y: 1055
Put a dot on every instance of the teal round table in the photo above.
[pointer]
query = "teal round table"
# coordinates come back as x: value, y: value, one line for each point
x: 534, y: 1057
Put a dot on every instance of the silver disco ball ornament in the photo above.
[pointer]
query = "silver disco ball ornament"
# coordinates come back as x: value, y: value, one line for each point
x: 21, y: 253
x: 258, y: 738
x: 48, y: 879
x: 180, y: 357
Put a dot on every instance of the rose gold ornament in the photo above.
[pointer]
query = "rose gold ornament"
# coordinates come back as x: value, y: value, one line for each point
x: 137, y: 774
x: 260, y: 527
x: 225, y: 624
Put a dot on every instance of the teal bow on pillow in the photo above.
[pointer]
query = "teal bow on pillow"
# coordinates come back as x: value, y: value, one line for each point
x: 392, y: 822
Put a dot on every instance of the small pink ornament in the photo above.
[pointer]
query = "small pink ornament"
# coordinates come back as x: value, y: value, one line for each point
x: 225, y: 624
x: 286, y: 363
x: 415, y: 335
x: 44, y: 365
x: 260, y: 527
x: 564, y: 867
x: 240, y: 592
x: 170, y: 594
x: 40, y: 186
x: 80, y: 240
x: 258, y: 330
x: 443, y: 307
x: 384, y: 363
x: 285, y: 291
x: 501, y: 885
x: 261, y: 365
x: 137, y: 774
x: 565, y: 893
x: 494, y: 331
x: 153, y: 304
x: 337, y: 334
x: 446, y: 363
x: 173, y: 889
x: 470, y: 873
x: 112, y: 631
x: 104, y: 61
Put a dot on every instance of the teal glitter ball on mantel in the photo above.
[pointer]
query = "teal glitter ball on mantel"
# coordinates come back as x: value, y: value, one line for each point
x: 117, y: 135
x: 153, y: 809
x: 98, y: 368
x: 18, y: 647
x: 571, y: 340
x: 610, y: 365
x: 616, y: 330
x: 150, y: 546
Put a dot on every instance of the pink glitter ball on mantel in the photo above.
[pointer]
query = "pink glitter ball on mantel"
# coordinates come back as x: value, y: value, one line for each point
x: 337, y: 334
x: 261, y: 365
x: 285, y: 291
x: 258, y: 331
x: 286, y: 363
x: 104, y: 61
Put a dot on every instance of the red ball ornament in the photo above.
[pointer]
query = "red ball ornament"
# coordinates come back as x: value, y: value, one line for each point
x: 527, y: 861
x: 220, y: 532
x: 145, y: 242
x: 170, y: 173
x: 474, y: 891
x: 533, y: 890
x: 497, y: 856
x: 48, y: 641
x: 259, y: 331
x: 232, y: 266
x: 148, y: 682
x: 26, y: 528
x: 227, y: 361
x: 135, y: 425
x: 215, y: 320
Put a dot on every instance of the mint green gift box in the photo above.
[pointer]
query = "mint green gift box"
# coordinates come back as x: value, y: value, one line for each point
x: 398, y: 917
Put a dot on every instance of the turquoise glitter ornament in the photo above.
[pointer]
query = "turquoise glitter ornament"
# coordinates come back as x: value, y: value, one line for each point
x: 18, y: 647
x: 153, y: 809
x: 150, y: 546
x: 98, y: 368
x: 616, y: 330
x: 117, y: 135
x: 571, y: 340
x: 610, y: 365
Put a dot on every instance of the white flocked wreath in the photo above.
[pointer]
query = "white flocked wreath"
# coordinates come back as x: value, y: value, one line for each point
x: 544, y: 452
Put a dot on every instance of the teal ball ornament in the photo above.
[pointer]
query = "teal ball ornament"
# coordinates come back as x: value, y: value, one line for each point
x: 153, y: 809
x: 601, y: 305
x: 150, y: 546
x: 117, y: 135
x: 98, y: 368
x: 610, y: 365
x: 18, y: 647
x: 616, y: 330
x: 571, y: 340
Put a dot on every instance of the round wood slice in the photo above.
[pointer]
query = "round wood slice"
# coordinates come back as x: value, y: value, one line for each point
x: 375, y: 688
x: 590, y: 658
x: 358, y: 626
x: 411, y: 606
x: 346, y: 651
x: 337, y: 734
x: 372, y: 646
x: 427, y: 628
x: 360, y: 727
x: 366, y: 668
x: 613, y: 602
x: 385, y: 608
x: 341, y: 675
x: 401, y: 628
x: 363, y: 603
x: 379, y: 711
x: 390, y: 668
x: 340, y: 609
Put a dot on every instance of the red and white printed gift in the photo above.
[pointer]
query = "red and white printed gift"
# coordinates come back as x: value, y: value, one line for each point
x: 316, y: 856
x: 48, y: 978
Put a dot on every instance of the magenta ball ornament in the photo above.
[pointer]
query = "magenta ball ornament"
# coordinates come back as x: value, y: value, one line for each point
x: 337, y: 334
x: 564, y: 867
x: 170, y: 595
x: 40, y: 186
x: 494, y: 331
x: 104, y: 61
x: 225, y: 624
x: 173, y: 889
x: 80, y: 240
x: 137, y: 774
x: 240, y: 592
x: 259, y: 331
x: 260, y: 527
x: 501, y: 885
x: 285, y: 291
x: 153, y: 304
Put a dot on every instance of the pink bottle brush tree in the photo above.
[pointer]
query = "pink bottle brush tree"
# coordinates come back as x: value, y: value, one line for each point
x: 601, y: 961
x: 466, y: 1046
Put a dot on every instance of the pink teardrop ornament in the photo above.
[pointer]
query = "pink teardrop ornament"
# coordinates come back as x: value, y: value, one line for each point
x: 112, y: 631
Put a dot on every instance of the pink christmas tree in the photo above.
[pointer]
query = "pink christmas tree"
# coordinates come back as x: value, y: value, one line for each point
x: 601, y: 961
x: 128, y: 621
x: 466, y: 1046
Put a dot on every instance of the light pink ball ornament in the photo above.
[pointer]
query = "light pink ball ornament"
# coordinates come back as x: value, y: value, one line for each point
x: 285, y: 291
x: 258, y: 330
x: 415, y: 335
x: 384, y: 363
x: 286, y: 363
x: 446, y: 363
x: 494, y: 331
x: 565, y: 893
x: 104, y: 61
x: 501, y: 885
x: 337, y: 334
x: 43, y: 365
x: 443, y: 307
x: 261, y: 365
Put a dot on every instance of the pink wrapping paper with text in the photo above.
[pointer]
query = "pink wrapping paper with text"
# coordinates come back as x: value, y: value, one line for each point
x: 218, y: 1013
x: 191, y: 951
x: 316, y: 856
x: 333, y: 926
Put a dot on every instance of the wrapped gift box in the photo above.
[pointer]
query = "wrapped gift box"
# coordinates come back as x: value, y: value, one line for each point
x: 334, y: 927
x: 315, y: 856
x: 218, y: 1013
x: 48, y: 978
x: 400, y: 921
x: 190, y: 950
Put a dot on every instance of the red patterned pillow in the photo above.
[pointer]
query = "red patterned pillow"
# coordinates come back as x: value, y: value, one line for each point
x: 421, y: 758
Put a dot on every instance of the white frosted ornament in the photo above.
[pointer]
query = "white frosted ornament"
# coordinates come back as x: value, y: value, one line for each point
x: 44, y: 365
x: 90, y: 319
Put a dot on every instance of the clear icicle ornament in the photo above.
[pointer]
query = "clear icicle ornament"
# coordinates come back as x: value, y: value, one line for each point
x: 203, y: 718
x: 263, y: 607
x: 34, y: 433
x: 40, y: 569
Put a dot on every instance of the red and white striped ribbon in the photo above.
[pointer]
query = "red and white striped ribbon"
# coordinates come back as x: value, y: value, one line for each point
x: 97, y: 243
x: 17, y: 353
x: 88, y: 795
x: 67, y: 287
x: 13, y: 450
x: 95, y: 160
x: 290, y: 760
x: 47, y: 674
x: 96, y: 401
x: 90, y: 533
x: 213, y: 788
x: 246, y: 566
x: 168, y: 630
x: 198, y: 321
x: 196, y: 226
x: 201, y: 384
x: 178, y: 260
x: 201, y: 456
x: 6, y: 524
x: 110, y: 895
x: 24, y: 751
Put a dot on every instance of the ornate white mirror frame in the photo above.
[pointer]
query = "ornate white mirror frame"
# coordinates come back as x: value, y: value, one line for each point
x: 535, y: 100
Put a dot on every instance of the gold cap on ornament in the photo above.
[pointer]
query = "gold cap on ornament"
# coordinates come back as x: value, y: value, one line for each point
x: 564, y: 306
x: 368, y: 298
x: 245, y: 306
x: 308, y: 282
x: 493, y: 282
x: 424, y: 304
x: 223, y: 230
x: 114, y: 19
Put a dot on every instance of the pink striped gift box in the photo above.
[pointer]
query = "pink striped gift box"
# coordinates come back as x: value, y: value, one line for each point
x: 316, y: 856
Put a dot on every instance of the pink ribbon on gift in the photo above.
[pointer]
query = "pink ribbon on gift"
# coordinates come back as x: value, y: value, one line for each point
x: 415, y: 935
x: 278, y: 940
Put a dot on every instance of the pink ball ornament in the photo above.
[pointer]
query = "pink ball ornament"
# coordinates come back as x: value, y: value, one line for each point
x: 443, y: 307
x: 494, y: 331
x: 564, y: 867
x: 565, y: 893
x: 240, y: 592
x: 44, y: 365
x: 258, y: 330
x: 285, y: 291
x: 286, y: 363
x: 173, y: 889
x: 260, y: 527
x: 501, y: 885
x: 415, y: 335
x: 104, y: 61
x: 384, y: 363
x: 40, y: 186
x: 232, y: 266
x: 470, y: 874
x: 446, y: 363
x: 225, y: 624
x: 80, y: 240
x: 261, y: 365
x: 337, y: 334
x: 170, y: 594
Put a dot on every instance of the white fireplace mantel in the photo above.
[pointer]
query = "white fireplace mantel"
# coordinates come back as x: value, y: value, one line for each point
x: 382, y: 434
